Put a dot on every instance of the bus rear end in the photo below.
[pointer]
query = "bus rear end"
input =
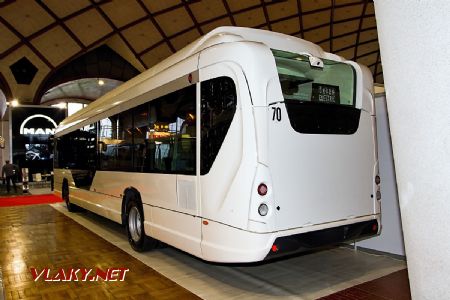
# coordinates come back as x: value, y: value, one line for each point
x: 322, y: 179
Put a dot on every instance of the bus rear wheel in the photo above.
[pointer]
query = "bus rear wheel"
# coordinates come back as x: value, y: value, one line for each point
x: 134, y: 224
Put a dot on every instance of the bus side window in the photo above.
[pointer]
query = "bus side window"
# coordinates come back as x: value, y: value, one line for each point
x: 218, y: 105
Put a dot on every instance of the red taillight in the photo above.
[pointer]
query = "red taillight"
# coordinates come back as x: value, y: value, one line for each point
x: 274, y: 248
x: 375, y: 227
x: 377, y: 179
x: 262, y: 189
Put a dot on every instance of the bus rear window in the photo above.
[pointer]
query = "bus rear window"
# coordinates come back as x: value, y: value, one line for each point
x: 319, y: 100
x: 332, y: 84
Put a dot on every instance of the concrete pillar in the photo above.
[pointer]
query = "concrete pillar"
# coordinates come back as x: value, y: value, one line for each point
x: 414, y: 38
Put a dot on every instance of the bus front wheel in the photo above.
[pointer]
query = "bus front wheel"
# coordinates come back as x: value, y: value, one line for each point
x: 134, y: 224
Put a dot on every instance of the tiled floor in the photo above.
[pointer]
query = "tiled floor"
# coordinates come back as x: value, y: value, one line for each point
x: 308, y: 276
x: 392, y: 286
x: 39, y: 236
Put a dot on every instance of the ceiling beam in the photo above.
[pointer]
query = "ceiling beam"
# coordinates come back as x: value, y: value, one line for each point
x: 116, y: 30
x: 155, y: 23
x: 300, y: 17
x: 229, y: 14
x: 266, y: 14
x: 189, y: 11
x: 27, y: 43
x: 358, y: 34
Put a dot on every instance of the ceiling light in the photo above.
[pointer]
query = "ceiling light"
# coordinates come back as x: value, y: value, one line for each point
x: 60, y: 105
x: 14, y: 103
x: 101, y: 82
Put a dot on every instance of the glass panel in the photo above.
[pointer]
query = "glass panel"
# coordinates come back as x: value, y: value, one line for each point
x: 218, y: 105
x: 332, y: 84
x: 171, y: 138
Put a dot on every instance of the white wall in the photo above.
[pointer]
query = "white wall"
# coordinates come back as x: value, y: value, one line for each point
x: 391, y: 238
x: 414, y: 38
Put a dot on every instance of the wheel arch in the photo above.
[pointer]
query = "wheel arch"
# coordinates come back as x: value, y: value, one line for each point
x: 137, y: 196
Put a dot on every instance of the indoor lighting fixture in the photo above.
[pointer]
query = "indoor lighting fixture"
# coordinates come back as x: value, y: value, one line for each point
x: 101, y: 82
x: 14, y: 103
x: 61, y: 105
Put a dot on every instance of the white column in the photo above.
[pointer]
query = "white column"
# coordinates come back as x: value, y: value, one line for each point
x: 414, y: 38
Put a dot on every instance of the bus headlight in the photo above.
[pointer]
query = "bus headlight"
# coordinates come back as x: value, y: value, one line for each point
x: 263, y: 209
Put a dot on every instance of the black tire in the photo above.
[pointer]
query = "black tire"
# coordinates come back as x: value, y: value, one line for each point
x: 134, y: 224
x: 65, y: 195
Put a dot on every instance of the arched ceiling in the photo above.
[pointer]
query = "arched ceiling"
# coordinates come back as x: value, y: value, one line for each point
x: 52, y: 33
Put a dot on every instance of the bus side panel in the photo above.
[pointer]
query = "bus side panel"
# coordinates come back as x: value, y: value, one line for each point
x: 179, y: 230
x: 225, y: 189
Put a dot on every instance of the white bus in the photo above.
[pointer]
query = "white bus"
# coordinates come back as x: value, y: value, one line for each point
x: 244, y: 145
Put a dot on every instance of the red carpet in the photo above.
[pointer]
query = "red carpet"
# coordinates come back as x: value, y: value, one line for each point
x: 29, y: 200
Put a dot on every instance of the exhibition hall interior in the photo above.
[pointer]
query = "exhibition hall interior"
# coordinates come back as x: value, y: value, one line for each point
x: 224, y: 149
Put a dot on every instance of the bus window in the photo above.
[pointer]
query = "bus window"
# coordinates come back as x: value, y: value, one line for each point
x: 318, y: 100
x: 218, y: 105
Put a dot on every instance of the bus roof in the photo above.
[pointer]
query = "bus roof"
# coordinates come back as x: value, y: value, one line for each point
x: 225, y: 34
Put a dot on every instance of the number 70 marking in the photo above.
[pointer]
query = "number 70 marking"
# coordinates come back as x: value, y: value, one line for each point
x: 276, y: 114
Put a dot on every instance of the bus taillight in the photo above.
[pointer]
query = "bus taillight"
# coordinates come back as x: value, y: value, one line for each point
x: 377, y: 179
x: 262, y: 189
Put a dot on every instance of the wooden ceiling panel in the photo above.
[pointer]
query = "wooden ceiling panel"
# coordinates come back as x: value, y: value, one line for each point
x: 236, y: 5
x: 310, y: 5
x: 7, y: 38
x: 342, y: 2
x: 368, y: 35
x: 317, y: 35
x: 123, y: 12
x: 89, y: 27
x: 370, y: 9
x: 142, y: 35
x: 316, y: 19
x: 343, y: 42
x: 174, y: 21
x: 156, y: 55
x: 145, y: 31
x: 26, y: 16
x: 56, y: 45
x: 344, y: 13
x: 184, y: 39
x: 282, y: 10
x: 158, y: 5
x: 367, y: 48
x: 67, y: 7
x: 117, y: 44
x: 368, y: 22
x: 221, y: 22
x: 288, y: 27
x: 208, y: 9
x: 345, y: 27
x: 368, y: 59
x: 347, y: 53
x: 250, y: 18
x: 325, y: 46
x: 23, y: 92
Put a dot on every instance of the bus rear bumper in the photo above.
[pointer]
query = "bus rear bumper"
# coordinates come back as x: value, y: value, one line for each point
x: 316, y: 239
x: 226, y: 244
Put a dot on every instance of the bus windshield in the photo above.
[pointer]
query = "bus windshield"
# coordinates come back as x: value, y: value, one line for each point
x: 332, y: 84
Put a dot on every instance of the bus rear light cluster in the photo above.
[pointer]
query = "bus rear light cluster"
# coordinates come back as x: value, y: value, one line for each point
x: 263, y: 209
x: 262, y: 189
